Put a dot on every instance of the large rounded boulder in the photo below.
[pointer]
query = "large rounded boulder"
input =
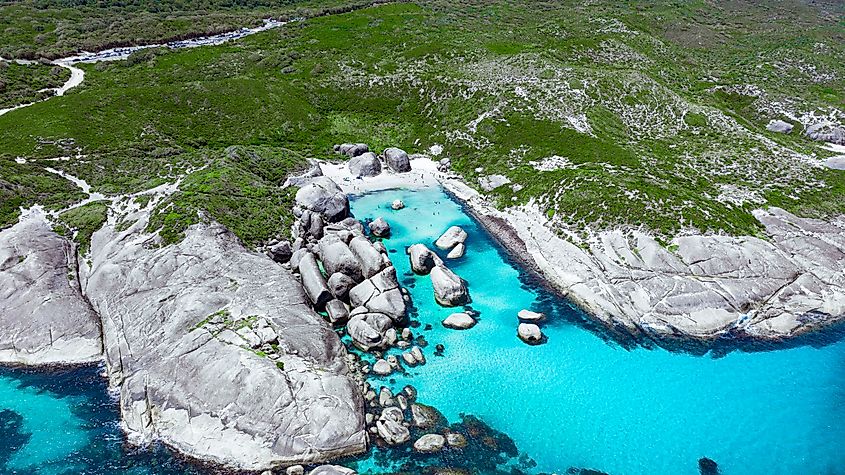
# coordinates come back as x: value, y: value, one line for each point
x: 366, y: 164
x: 397, y: 160
x: 449, y: 289
x: 323, y: 196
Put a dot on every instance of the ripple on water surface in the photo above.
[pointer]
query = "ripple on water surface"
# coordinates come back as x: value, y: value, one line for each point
x: 580, y: 401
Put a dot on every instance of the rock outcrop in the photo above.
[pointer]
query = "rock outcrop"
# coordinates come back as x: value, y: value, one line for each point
x: 364, y: 165
x: 422, y: 259
x: 397, y: 160
x: 452, y: 237
x: 826, y: 132
x: 181, y: 324
x: 322, y: 195
x: 44, y: 319
x: 449, y: 289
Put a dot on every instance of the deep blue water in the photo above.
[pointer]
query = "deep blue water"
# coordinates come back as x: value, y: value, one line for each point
x: 583, y: 401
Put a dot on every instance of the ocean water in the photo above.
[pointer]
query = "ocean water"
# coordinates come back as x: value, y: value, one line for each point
x: 582, y: 401
x: 65, y: 422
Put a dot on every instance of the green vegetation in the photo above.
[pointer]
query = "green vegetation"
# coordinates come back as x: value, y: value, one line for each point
x: 25, y: 83
x: 603, y: 113
x: 82, y: 222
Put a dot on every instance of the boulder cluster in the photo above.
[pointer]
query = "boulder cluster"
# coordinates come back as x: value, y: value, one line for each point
x: 364, y: 163
x: 528, y: 329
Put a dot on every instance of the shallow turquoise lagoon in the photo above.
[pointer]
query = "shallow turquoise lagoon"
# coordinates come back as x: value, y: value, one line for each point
x: 581, y: 401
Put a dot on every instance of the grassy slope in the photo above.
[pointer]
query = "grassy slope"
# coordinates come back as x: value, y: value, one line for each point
x: 653, y: 85
x: 23, y: 83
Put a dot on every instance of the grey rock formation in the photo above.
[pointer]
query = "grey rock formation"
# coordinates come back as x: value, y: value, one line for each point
x: 305, y: 177
x: 313, y: 281
x: 337, y: 311
x: 528, y: 316
x: 459, y: 321
x: 491, y: 182
x: 529, y: 333
x: 457, y: 252
x: 826, y: 132
x: 323, y: 196
x: 369, y: 259
x: 779, y: 126
x: 332, y: 470
x: 337, y: 257
x: 366, y: 164
x: 339, y: 285
x: 396, y: 205
x: 207, y: 398
x: 456, y: 440
x: 449, y: 289
x: 835, y: 163
x: 380, y: 294
x: 425, y: 417
x: 280, y: 252
x: 382, y: 367
x: 379, y: 227
x: 430, y: 443
x: 423, y: 259
x: 452, y: 237
x: 353, y: 149
x: 368, y: 330
x: 44, y: 319
x: 397, y: 160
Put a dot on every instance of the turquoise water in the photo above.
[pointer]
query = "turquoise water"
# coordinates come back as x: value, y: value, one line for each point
x: 582, y: 401
x: 64, y: 422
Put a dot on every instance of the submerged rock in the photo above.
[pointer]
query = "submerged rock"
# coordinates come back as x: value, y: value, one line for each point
x: 456, y: 440
x: 452, y: 237
x: 397, y: 160
x: 44, y: 319
x: 530, y: 333
x: 449, y: 289
x: 365, y: 165
x: 426, y: 417
x: 430, y: 443
x: 708, y: 466
x: 459, y: 321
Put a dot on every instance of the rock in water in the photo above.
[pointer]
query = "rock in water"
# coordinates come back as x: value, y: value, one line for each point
x: 205, y: 397
x: 707, y: 466
x: 430, y: 443
x: 332, y: 470
x: 397, y: 160
x: 397, y: 205
x: 366, y: 164
x: 426, y: 417
x: 322, y: 195
x: 458, y: 251
x: 43, y: 317
x: 379, y: 227
x: 423, y: 259
x: 459, y: 321
x: 451, y: 238
x: 530, y: 333
x: 779, y: 126
x: 456, y: 440
x: 528, y: 316
x: 449, y: 289
x: 382, y: 368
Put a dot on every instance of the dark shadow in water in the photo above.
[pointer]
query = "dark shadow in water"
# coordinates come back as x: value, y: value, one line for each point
x: 12, y: 437
x: 561, y: 310
x: 109, y: 452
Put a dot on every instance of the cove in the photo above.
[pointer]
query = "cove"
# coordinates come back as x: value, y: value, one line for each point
x: 583, y: 401
x: 64, y: 421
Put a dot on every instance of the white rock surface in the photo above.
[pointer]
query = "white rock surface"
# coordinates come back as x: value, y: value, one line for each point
x: 44, y: 318
x: 452, y: 237
x: 529, y: 333
x: 198, y: 392
x: 457, y: 252
x: 430, y: 443
x: 449, y: 289
x: 530, y: 317
x: 459, y: 321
